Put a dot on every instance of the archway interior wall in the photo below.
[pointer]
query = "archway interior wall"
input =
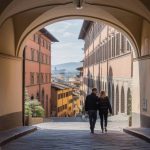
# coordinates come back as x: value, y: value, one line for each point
x: 69, y: 12
x: 7, y: 38
x: 10, y: 92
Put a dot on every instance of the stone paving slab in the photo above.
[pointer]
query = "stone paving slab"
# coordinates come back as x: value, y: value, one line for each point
x: 45, y: 139
x: 8, y: 135
x: 143, y: 133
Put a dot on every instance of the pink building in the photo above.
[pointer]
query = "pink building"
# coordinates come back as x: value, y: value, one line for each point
x: 38, y: 67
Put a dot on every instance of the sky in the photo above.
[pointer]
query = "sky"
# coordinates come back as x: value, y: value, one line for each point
x: 69, y: 47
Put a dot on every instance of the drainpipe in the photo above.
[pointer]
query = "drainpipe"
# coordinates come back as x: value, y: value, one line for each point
x: 23, y: 87
x: 40, y: 68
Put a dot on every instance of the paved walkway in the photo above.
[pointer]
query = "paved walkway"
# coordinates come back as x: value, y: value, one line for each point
x: 76, y: 136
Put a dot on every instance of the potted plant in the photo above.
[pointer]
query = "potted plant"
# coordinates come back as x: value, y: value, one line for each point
x: 28, y: 110
x: 34, y: 112
x: 37, y: 112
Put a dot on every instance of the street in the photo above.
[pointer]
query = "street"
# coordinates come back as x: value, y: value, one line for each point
x: 56, y: 135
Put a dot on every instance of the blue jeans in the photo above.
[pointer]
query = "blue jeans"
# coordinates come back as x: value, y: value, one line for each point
x: 92, y: 118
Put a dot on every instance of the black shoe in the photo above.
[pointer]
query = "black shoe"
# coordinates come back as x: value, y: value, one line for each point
x: 105, y: 129
x: 92, y: 131
x: 102, y: 131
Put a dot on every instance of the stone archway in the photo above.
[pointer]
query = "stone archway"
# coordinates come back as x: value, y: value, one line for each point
x: 20, y: 19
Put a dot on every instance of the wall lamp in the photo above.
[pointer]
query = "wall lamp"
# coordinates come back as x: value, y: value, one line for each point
x: 78, y: 4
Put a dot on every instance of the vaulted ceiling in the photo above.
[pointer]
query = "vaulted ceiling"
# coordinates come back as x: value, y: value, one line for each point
x: 21, y: 18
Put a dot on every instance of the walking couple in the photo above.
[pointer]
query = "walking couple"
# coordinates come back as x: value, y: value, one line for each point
x: 100, y: 103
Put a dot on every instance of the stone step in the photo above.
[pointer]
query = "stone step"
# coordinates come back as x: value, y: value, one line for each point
x: 143, y: 133
x: 11, y: 134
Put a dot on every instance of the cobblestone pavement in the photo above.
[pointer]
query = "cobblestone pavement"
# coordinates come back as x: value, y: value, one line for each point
x: 71, y: 136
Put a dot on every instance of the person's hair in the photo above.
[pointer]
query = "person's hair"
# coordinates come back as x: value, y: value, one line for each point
x: 102, y: 93
x: 94, y: 89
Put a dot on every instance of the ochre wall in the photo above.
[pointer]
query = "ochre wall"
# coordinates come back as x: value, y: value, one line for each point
x: 10, y: 92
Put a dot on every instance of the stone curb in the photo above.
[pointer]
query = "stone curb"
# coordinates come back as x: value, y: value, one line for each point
x: 137, y: 134
x: 17, y: 135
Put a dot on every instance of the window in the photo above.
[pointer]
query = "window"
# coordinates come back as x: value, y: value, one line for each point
x: 38, y: 78
x: 42, y: 42
x: 49, y: 77
x: 45, y: 44
x: 46, y: 79
x: 42, y: 79
x: 32, y: 54
x: 117, y: 44
x: 37, y: 95
x: 110, y: 50
x: 46, y: 59
x: 67, y: 94
x: 31, y: 77
x: 113, y: 46
x: 42, y: 57
x: 36, y: 38
x: 128, y: 46
x: 49, y: 47
x: 38, y: 56
x: 122, y: 43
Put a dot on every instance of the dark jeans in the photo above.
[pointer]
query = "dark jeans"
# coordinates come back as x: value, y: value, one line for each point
x: 103, y: 117
x: 92, y: 118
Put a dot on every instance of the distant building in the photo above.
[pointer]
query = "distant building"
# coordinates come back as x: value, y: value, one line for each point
x: 108, y: 64
x: 80, y: 69
x: 38, y: 67
x: 60, y: 100
x: 64, y: 101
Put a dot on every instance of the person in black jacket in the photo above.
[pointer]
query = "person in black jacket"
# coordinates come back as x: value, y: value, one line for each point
x: 103, y: 107
x: 91, y: 107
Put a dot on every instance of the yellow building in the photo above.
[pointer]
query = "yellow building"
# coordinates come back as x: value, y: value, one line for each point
x: 76, y: 102
x: 61, y: 100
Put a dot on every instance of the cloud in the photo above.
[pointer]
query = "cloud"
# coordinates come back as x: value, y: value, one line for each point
x: 69, y: 48
x: 68, y: 34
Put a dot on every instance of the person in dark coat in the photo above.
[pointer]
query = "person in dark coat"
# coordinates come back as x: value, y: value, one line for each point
x: 103, y: 107
x: 91, y: 107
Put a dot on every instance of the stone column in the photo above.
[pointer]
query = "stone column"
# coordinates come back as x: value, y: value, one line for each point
x: 119, y: 86
x: 136, y: 95
x: 10, y: 91
x: 125, y: 96
x: 115, y: 85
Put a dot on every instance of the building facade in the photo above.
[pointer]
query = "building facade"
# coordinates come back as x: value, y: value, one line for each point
x: 37, y: 55
x: 60, y: 100
x: 65, y: 100
x: 108, y: 64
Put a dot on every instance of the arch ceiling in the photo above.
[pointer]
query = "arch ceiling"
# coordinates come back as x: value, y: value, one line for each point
x: 20, y: 18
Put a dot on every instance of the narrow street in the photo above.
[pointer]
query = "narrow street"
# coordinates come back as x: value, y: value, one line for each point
x: 74, y: 134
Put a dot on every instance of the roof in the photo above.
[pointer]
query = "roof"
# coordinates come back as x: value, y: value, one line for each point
x: 79, y: 68
x: 59, y: 86
x: 85, y: 27
x: 48, y: 35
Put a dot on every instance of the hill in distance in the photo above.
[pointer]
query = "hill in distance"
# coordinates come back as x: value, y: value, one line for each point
x: 69, y: 67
